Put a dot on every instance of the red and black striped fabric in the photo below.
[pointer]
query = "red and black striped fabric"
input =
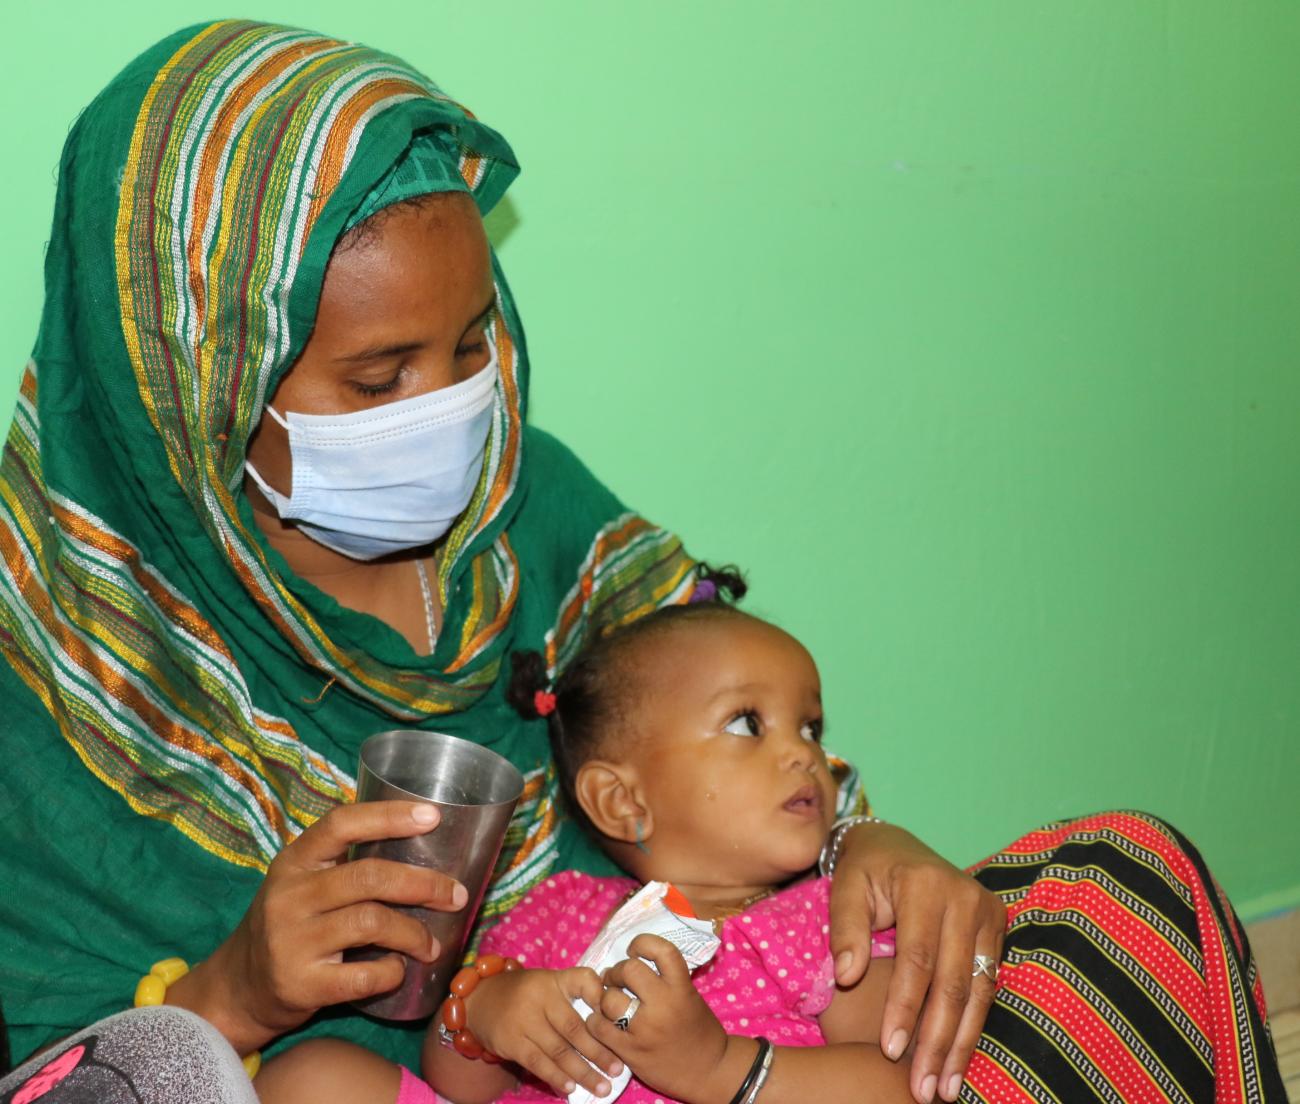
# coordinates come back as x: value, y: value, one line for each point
x: 1126, y: 976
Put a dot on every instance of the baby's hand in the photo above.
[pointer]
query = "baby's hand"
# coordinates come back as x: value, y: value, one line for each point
x: 673, y: 1041
x: 526, y: 1017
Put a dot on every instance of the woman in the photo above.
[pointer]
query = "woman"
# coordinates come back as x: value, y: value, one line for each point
x: 268, y: 491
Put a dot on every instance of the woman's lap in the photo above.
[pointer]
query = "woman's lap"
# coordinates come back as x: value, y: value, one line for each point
x: 1126, y: 975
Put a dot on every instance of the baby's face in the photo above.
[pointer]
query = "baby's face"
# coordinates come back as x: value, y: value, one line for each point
x: 730, y: 753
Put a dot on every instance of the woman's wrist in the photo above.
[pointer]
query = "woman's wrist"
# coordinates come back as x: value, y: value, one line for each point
x: 835, y: 841
x: 875, y: 847
x: 206, y: 991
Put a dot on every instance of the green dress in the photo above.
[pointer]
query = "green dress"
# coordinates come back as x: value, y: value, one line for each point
x: 178, y: 704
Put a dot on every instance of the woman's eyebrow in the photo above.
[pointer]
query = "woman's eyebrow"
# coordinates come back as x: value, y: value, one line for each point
x: 491, y: 306
x: 380, y: 352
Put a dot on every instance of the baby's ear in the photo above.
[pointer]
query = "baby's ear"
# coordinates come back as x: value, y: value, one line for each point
x: 610, y: 795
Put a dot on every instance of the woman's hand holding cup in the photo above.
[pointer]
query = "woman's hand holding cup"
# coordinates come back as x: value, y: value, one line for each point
x: 284, y: 961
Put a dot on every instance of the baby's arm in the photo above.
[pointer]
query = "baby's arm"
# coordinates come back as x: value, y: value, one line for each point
x: 525, y: 1017
x: 676, y: 1044
x: 461, y: 1080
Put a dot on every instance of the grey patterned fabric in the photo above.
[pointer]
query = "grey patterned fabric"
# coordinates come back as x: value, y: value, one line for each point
x: 142, y: 1056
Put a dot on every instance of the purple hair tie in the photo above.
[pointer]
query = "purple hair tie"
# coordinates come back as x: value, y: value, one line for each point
x: 705, y: 591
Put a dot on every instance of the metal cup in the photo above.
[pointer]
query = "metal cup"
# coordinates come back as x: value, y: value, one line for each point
x: 476, y: 790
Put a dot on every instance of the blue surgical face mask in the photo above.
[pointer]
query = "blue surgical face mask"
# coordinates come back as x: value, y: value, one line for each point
x: 390, y: 479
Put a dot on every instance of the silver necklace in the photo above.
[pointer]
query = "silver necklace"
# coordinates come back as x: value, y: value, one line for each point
x: 428, y: 604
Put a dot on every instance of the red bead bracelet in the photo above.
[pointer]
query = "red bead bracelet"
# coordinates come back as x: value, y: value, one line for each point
x: 455, y: 1021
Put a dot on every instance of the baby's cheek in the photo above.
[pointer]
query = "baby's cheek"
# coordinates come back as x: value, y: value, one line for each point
x: 830, y: 798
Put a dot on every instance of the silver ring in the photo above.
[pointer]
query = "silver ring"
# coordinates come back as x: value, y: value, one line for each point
x: 622, y: 1022
x: 987, y: 966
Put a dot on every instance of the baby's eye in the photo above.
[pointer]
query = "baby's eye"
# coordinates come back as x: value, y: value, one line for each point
x: 743, y: 724
x: 812, y: 731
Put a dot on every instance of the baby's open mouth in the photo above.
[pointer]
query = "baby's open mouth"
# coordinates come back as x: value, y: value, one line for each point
x: 805, y: 801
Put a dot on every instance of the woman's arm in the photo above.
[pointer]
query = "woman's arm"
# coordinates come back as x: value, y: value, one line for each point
x: 887, y: 877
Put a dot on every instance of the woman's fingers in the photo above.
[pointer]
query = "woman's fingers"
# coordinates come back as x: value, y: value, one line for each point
x: 327, y: 841
x: 352, y: 981
x: 950, y: 992
x: 988, y: 941
x: 917, y: 951
x: 968, y: 1035
x: 396, y: 883
x: 314, y: 983
x: 852, y: 918
x: 368, y: 923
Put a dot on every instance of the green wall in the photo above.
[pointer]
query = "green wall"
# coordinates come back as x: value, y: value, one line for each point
x: 969, y: 329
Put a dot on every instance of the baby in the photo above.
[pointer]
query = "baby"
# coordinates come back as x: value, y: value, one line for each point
x: 689, y: 743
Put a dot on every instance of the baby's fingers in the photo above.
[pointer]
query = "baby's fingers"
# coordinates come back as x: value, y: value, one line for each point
x: 615, y: 1004
x: 582, y: 983
x: 667, y: 958
x: 569, y: 1026
x: 561, y: 1067
x: 634, y: 975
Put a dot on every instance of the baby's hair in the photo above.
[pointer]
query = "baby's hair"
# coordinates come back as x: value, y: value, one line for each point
x: 589, y: 699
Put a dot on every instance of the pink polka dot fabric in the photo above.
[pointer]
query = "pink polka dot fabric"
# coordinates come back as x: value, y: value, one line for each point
x: 772, y: 976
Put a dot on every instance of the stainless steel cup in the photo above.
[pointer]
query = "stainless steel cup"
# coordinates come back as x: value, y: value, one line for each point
x: 476, y: 790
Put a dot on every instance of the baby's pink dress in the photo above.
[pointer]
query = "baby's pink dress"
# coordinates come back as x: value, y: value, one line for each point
x: 772, y: 975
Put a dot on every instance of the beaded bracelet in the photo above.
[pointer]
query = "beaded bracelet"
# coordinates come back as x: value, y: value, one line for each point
x: 152, y: 989
x: 453, y: 1018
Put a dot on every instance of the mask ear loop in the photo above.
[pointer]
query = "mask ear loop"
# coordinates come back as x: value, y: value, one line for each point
x: 275, y: 498
x: 274, y: 414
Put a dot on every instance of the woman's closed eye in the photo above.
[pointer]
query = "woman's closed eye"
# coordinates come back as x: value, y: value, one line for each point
x: 384, y: 387
x: 745, y: 723
x: 470, y: 347
x: 475, y: 341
